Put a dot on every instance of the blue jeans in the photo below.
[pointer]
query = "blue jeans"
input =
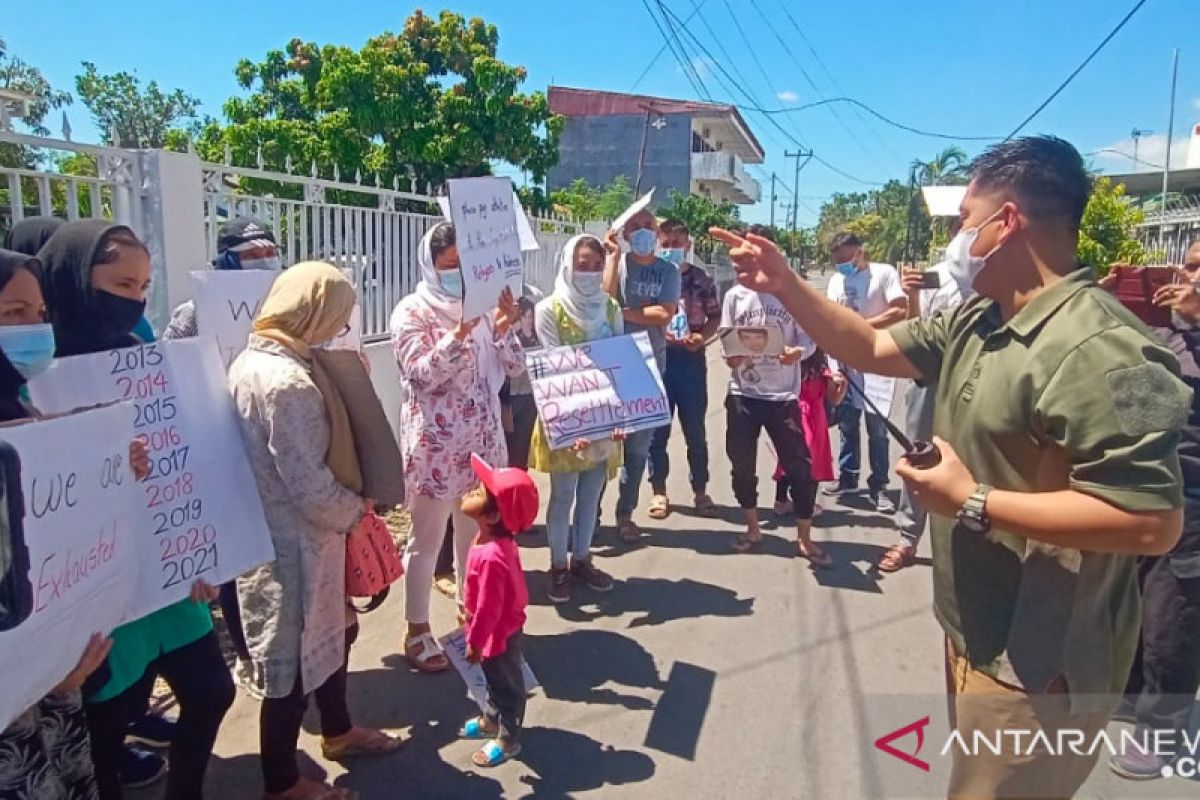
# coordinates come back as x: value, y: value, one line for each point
x: 877, y: 448
x: 919, y: 426
x: 686, y: 382
x: 573, y: 533
x: 637, y: 451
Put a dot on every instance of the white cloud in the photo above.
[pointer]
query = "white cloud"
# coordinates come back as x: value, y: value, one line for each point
x: 701, y: 66
x: 788, y: 96
x: 1151, y: 152
x: 1196, y: 103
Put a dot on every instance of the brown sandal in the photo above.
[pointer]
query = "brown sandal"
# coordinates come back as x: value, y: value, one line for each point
x: 705, y: 506
x: 659, y: 508
x: 815, y: 555
x: 898, y: 557
x: 375, y: 743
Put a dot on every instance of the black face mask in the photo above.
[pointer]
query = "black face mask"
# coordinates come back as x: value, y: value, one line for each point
x: 115, y: 315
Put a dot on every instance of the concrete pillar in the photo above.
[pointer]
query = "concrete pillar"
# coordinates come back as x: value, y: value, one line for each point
x: 173, y: 223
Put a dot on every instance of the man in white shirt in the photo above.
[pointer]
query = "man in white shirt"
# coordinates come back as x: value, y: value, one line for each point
x: 874, y: 291
x: 923, y: 303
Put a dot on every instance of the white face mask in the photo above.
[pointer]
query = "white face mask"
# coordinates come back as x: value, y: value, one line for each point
x: 964, y: 267
x: 589, y: 283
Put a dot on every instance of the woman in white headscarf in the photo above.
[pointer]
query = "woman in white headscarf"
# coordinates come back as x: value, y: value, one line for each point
x: 578, y: 311
x: 451, y: 372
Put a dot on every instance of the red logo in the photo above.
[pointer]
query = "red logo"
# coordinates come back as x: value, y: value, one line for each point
x: 884, y: 743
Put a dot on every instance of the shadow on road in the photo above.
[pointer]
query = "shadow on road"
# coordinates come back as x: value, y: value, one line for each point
x: 577, y: 666
x: 655, y: 600
x: 567, y: 762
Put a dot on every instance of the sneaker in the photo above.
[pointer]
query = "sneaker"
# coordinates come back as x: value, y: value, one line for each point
x: 560, y: 585
x: 838, y: 489
x: 1136, y: 765
x: 882, y: 503
x: 152, y: 730
x: 139, y: 768
x: 594, y: 579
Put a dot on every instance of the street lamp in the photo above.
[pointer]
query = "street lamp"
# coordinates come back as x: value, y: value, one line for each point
x: 1137, y: 133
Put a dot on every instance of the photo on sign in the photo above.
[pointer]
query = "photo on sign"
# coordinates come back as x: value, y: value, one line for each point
x: 752, y: 342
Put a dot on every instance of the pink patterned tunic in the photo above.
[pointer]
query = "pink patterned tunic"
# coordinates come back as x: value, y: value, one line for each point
x: 451, y: 402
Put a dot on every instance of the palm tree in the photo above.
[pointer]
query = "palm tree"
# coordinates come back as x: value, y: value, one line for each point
x: 947, y: 167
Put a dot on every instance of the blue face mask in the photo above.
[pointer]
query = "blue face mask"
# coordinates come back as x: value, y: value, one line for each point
x: 29, y: 348
x: 451, y: 281
x: 847, y: 270
x: 643, y: 241
x: 673, y: 254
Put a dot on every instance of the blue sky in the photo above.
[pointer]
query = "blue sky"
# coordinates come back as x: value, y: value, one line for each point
x: 966, y: 68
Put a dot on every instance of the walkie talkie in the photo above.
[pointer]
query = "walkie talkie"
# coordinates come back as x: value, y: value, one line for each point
x: 922, y: 455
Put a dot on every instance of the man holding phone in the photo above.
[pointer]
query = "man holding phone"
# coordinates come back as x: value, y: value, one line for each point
x: 929, y: 293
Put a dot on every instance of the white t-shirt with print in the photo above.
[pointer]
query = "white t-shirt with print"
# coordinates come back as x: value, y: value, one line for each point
x: 868, y: 291
x: 935, y: 301
x: 764, y: 377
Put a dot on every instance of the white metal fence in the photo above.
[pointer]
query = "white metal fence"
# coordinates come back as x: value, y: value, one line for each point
x: 370, y: 230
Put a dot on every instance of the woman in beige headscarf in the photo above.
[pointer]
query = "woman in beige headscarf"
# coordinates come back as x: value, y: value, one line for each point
x: 298, y: 438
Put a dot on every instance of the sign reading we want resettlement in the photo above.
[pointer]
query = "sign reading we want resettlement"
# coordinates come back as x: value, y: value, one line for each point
x: 587, y: 391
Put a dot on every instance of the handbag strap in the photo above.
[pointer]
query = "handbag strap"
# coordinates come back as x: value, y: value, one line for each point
x: 372, y: 604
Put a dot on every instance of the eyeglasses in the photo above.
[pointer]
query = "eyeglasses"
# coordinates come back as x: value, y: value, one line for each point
x: 345, y: 331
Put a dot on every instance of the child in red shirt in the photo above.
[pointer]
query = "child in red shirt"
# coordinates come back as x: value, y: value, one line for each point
x: 495, y: 596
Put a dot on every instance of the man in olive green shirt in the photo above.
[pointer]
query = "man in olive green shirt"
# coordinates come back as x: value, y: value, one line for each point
x: 1052, y: 393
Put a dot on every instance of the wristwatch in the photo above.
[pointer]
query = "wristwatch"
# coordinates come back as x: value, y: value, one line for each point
x: 973, y: 515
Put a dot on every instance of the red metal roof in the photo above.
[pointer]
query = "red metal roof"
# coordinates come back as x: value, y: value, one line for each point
x: 592, y: 102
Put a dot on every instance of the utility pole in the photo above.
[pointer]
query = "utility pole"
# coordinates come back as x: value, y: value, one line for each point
x: 1167, y: 162
x: 799, y: 154
x: 774, y: 197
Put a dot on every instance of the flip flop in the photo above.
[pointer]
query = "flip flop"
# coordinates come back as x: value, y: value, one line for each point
x: 473, y: 729
x: 745, y: 543
x: 823, y: 561
x: 493, y: 755
x: 377, y: 743
x: 421, y: 649
x: 659, y: 508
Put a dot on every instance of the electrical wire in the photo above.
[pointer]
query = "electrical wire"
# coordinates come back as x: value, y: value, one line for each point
x: 1123, y: 154
x: 881, y: 117
x: 654, y: 59
x: 1137, y: 6
x: 684, y: 64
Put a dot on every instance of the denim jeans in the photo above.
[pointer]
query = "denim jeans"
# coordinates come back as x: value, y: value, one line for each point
x: 573, y: 532
x: 637, y: 451
x: 911, y: 516
x: 877, y: 448
x: 686, y: 382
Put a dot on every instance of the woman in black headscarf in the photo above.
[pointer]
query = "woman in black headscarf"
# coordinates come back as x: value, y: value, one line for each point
x: 43, y: 752
x: 31, y: 234
x: 96, y: 279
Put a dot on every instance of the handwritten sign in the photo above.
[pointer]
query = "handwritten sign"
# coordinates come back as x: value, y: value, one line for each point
x: 587, y: 391
x: 529, y: 242
x: 227, y: 301
x: 489, y: 248
x: 80, y: 528
x: 752, y: 342
x: 455, y: 646
x: 626, y: 215
x: 200, y: 513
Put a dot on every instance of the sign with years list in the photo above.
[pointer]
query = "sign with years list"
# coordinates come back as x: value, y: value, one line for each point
x: 489, y: 247
x: 200, y: 513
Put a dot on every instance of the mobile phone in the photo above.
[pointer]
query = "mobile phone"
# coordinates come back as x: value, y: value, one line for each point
x: 16, y: 591
x: 931, y: 279
x: 1135, y: 290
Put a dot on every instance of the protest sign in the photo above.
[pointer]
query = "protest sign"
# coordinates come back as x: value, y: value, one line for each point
x: 227, y: 301
x: 80, y: 530
x: 589, y: 390
x: 752, y: 342
x: 489, y: 248
x: 529, y: 242
x: 626, y: 215
x: 200, y: 513
x: 455, y: 646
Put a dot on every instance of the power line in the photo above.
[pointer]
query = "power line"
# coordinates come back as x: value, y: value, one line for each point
x: 684, y: 65
x: 663, y: 49
x: 1078, y: 69
x: 1122, y: 153
x: 881, y: 117
x: 843, y: 173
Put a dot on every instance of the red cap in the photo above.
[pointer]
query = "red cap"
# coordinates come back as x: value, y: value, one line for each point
x: 515, y: 492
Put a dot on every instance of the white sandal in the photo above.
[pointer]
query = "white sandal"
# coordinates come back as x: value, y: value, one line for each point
x: 429, y: 651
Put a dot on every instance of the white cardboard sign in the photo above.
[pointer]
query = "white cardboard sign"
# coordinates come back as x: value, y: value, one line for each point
x: 454, y: 644
x: 227, y: 301
x: 489, y: 247
x: 80, y: 529
x: 200, y: 515
x: 589, y: 390
x: 626, y: 215
x: 529, y: 242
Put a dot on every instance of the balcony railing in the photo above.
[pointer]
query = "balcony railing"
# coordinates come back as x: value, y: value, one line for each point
x: 726, y: 168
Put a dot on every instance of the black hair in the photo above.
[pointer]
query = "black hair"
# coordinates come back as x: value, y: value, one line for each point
x: 765, y: 231
x: 591, y: 243
x: 673, y: 225
x: 442, y: 239
x: 11, y: 261
x: 1044, y: 173
x: 108, y: 252
x: 479, y: 503
x: 844, y: 239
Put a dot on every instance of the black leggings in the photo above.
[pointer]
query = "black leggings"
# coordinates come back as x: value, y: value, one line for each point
x: 746, y: 418
x: 280, y: 719
x: 804, y: 500
x: 203, y: 686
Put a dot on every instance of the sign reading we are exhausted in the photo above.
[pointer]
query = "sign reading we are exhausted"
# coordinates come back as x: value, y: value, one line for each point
x: 589, y: 390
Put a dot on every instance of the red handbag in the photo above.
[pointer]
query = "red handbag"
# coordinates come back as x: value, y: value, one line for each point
x: 372, y: 560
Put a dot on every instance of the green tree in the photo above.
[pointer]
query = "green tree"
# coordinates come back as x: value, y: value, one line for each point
x: 949, y: 167
x: 585, y: 203
x: 431, y: 102
x: 1107, y: 232
x: 130, y: 116
x: 700, y: 214
x: 20, y: 76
